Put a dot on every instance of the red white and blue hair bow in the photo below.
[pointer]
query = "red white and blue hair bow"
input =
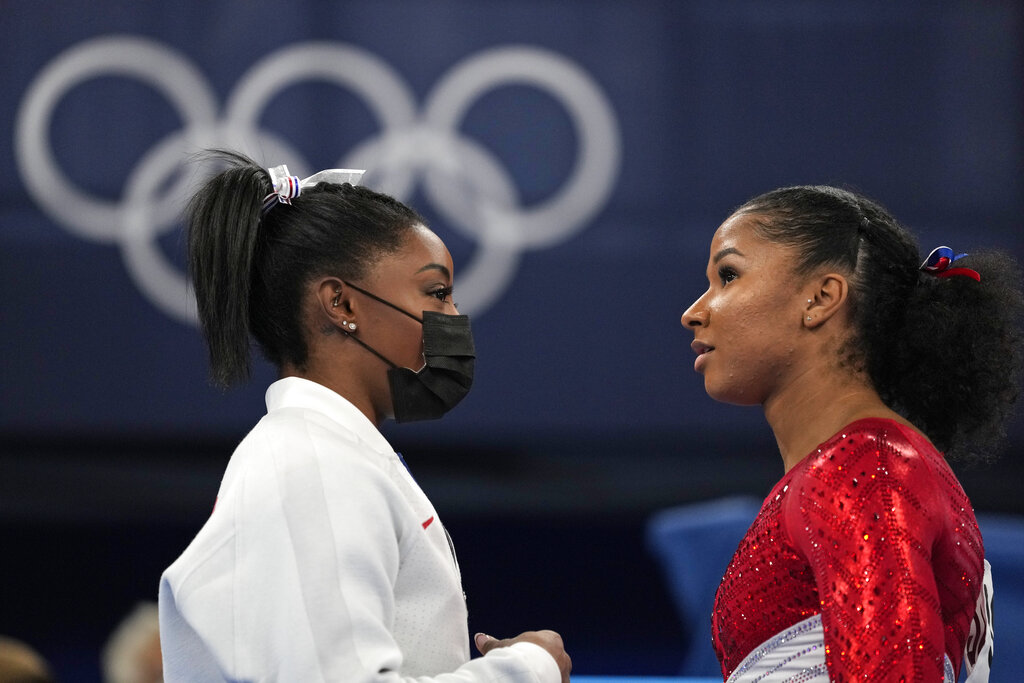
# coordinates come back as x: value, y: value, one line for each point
x: 939, y: 261
x: 288, y: 187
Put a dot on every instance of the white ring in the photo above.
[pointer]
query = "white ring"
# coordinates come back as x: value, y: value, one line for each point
x: 155, y: 65
x: 383, y: 90
x: 494, y: 263
x: 466, y: 182
x: 148, y: 266
x: 597, y: 162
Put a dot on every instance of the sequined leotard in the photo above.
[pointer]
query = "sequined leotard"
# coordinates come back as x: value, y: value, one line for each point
x: 873, y: 532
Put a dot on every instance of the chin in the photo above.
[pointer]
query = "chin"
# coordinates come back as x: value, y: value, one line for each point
x: 730, y: 394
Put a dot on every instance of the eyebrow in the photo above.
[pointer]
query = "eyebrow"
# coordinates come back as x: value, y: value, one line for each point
x: 725, y: 252
x: 436, y: 266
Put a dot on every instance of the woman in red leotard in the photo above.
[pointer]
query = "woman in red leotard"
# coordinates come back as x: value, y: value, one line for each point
x: 865, y: 562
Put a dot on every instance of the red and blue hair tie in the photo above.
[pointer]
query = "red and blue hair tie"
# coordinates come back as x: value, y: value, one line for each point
x: 288, y: 187
x: 939, y: 261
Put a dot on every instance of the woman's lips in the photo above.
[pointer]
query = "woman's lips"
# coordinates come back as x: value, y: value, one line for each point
x: 702, y: 350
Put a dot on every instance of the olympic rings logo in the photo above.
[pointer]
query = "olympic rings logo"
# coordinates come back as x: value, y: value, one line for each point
x: 414, y: 145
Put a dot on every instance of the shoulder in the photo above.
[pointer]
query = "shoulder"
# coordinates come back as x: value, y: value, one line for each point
x: 874, y: 474
x: 884, y: 447
x: 297, y: 438
x: 295, y: 455
x: 874, y: 462
x: 303, y: 424
x: 867, y: 462
x: 294, y: 464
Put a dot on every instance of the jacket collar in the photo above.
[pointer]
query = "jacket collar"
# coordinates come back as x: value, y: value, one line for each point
x: 296, y: 392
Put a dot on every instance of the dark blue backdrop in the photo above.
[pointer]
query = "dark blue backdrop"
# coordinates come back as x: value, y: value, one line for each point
x: 918, y: 105
x: 662, y: 115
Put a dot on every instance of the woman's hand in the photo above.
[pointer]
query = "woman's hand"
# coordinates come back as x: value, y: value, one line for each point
x: 549, y: 640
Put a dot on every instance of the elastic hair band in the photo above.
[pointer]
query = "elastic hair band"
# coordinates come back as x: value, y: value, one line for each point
x: 288, y: 187
x: 938, y: 262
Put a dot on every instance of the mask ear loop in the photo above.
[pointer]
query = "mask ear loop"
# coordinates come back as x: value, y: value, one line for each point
x: 377, y: 353
x: 386, y: 303
x: 369, y: 348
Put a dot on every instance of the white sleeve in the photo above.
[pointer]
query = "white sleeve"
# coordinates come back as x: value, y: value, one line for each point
x: 316, y: 559
x: 517, y: 663
x: 979, y: 648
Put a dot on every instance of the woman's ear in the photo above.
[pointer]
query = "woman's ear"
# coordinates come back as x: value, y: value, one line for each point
x: 826, y: 299
x: 335, y: 303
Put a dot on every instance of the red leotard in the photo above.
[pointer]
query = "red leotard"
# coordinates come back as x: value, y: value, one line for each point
x: 873, y: 531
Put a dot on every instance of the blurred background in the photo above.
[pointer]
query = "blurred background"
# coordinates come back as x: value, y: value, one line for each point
x: 575, y: 155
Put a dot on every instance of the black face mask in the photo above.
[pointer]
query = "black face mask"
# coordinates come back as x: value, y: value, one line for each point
x: 447, y: 375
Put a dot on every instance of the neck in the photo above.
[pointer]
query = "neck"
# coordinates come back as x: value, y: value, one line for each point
x: 810, y: 410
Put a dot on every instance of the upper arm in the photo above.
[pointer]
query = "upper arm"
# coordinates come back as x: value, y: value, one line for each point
x: 318, y: 552
x: 867, y: 527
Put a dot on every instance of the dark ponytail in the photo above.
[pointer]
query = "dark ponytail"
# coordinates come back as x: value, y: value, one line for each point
x: 249, y: 270
x: 956, y: 370
x: 945, y: 353
x: 223, y: 225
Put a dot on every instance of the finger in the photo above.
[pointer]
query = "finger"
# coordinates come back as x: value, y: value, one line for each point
x: 553, y: 634
x: 484, y: 642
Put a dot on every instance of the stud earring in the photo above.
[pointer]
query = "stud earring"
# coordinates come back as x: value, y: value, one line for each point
x: 808, y: 318
x: 810, y: 301
x: 351, y: 326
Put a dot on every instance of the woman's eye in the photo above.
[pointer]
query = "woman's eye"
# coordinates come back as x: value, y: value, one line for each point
x: 727, y: 275
x: 442, y: 294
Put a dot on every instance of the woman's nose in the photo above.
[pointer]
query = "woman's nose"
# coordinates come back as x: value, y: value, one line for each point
x: 695, y: 315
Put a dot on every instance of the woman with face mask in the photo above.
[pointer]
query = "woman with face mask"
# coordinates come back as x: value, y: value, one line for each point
x: 865, y: 561
x: 323, y: 560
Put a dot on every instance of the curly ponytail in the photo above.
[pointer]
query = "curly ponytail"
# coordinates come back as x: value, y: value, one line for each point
x: 249, y: 270
x: 946, y: 353
x: 956, y: 368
